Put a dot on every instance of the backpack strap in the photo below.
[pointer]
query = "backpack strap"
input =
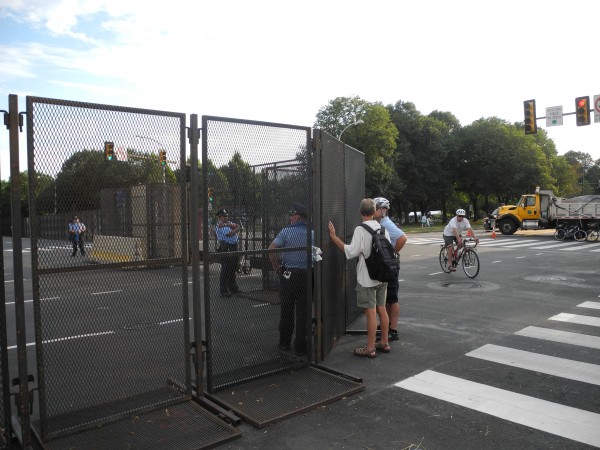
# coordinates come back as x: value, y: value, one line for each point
x: 381, y: 230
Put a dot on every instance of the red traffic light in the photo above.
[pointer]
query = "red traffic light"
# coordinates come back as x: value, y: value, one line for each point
x: 582, y: 112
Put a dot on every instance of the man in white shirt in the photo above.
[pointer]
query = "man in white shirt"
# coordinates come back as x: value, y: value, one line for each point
x: 453, y: 233
x: 370, y: 294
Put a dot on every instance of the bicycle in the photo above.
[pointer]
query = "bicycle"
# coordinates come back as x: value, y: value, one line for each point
x: 593, y: 233
x: 574, y: 232
x: 466, y: 253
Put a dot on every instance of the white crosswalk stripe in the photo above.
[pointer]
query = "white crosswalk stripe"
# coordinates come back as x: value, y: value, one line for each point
x: 561, y: 420
x: 516, y: 243
x: 572, y: 423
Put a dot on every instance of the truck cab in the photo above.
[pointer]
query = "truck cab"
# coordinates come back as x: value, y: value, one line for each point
x: 530, y: 213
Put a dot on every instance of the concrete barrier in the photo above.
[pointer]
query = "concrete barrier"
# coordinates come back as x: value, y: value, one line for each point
x: 110, y: 249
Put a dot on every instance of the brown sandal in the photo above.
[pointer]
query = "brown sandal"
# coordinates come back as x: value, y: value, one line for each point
x: 365, y: 352
x: 383, y: 348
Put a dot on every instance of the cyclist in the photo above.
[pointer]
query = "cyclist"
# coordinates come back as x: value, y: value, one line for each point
x: 453, y: 233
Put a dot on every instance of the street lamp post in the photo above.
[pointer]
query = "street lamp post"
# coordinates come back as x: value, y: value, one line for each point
x: 358, y: 122
x: 162, y: 147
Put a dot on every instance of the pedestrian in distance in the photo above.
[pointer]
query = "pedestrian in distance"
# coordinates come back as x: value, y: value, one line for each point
x: 453, y: 233
x: 398, y: 239
x: 227, y: 239
x: 292, y: 269
x: 77, y: 231
x: 370, y: 294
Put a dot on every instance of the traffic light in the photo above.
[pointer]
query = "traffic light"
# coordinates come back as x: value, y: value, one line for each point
x: 210, y: 195
x: 109, y: 151
x: 162, y: 157
x: 529, y: 110
x: 582, y: 111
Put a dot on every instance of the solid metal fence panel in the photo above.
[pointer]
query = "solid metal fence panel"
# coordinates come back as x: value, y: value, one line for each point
x: 255, y: 171
x: 110, y: 291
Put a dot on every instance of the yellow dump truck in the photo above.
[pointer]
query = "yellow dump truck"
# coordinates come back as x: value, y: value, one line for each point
x: 543, y: 210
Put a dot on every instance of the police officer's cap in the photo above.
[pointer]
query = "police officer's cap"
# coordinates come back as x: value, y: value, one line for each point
x: 300, y: 209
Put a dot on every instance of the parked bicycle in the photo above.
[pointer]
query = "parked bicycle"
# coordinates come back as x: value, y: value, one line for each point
x: 567, y: 232
x: 465, y: 253
x: 593, y: 232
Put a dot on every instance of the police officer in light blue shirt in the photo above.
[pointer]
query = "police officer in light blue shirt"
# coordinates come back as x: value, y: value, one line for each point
x: 227, y: 237
x: 292, y: 270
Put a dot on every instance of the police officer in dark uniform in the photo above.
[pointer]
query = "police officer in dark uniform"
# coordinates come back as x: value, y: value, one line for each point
x: 292, y: 271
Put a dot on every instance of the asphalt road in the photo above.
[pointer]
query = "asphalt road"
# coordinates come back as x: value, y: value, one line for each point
x: 508, y: 360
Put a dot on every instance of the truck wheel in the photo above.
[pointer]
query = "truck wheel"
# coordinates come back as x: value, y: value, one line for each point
x: 507, y: 227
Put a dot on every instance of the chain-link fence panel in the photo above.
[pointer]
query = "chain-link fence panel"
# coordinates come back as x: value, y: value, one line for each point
x: 108, y: 247
x: 257, y: 177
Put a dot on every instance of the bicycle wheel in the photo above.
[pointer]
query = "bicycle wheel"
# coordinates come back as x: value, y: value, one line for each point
x: 470, y: 263
x: 560, y: 234
x: 444, y: 259
x: 580, y: 235
x: 593, y: 235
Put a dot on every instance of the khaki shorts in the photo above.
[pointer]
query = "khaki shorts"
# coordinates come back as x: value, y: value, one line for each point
x: 369, y: 297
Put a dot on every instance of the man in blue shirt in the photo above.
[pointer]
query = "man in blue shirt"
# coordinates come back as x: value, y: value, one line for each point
x: 292, y: 270
x: 227, y: 240
x: 76, y: 233
x: 398, y: 239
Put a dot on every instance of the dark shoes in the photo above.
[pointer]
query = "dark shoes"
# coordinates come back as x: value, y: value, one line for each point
x: 392, y: 334
x: 225, y: 294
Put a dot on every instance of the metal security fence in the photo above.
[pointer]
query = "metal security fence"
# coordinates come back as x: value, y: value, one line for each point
x: 341, y: 189
x: 5, y: 426
x: 255, y: 171
x: 110, y: 295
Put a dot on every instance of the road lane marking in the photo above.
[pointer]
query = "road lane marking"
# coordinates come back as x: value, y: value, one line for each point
x: 495, y: 262
x: 593, y: 305
x: 106, y: 292
x: 565, y: 337
x: 577, y: 318
x: 550, y: 365
x: 553, y: 418
x: 551, y: 246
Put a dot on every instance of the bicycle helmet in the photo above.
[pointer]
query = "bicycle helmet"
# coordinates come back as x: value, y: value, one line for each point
x: 382, y: 202
x: 461, y: 212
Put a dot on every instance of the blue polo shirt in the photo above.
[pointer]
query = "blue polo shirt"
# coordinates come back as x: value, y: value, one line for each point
x: 293, y: 236
x: 222, y: 235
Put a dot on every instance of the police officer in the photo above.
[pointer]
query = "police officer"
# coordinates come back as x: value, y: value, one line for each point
x: 227, y: 238
x: 292, y: 271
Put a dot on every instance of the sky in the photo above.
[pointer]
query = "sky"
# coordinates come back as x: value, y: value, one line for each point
x: 281, y: 61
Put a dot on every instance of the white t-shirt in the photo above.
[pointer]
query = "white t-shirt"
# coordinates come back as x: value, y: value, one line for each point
x: 454, y: 223
x: 360, y: 247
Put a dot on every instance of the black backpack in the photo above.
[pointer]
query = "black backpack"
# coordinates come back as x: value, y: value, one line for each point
x: 382, y: 263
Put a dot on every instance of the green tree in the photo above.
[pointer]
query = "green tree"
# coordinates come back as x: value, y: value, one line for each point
x: 421, y: 156
x: 375, y: 138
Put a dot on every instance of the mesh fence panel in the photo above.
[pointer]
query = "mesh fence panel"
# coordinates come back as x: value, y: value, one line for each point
x: 354, y: 193
x: 110, y: 290
x: 4, y: 380
x: 341, y: 193
x: 255, y: 171
x: 332, y: 266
